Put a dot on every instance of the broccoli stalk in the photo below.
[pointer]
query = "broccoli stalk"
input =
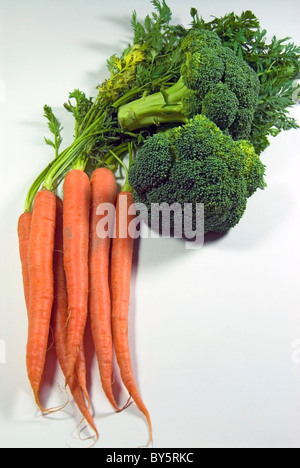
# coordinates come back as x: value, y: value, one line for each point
x: 159, y: 108
x: 214, y: 82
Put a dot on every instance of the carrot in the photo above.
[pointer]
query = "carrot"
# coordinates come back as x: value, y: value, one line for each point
x: 121, y: 266
x: 104, y: 190
x: 80, y: 372
x: 24, y: 226
x: 76, y: 209
x: 40, y: 270
x: 77, y: 382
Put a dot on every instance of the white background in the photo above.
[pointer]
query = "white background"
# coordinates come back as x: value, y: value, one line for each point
x: 213, y: 331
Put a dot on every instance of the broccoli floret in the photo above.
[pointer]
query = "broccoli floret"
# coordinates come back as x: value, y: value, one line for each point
x: 152, y: 172
x: 221, y: 106
x: 203, y: 166
x: 195, y: 140
x: 191, y: 105
x: 203, y: 70
x: 241, y: 127
x: 255, y: 169
x: 240, y: 78
x: 214, y: 82
x: 197, y: 38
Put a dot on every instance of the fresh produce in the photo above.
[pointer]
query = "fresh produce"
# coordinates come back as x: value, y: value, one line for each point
x: 276, y: 64
x: 103, y: 191
x: 77, y: 382
x: 40, y: 271
x: 193, y: 107
x: 198, y: 163
x: 24, y: 227
x: 76, y: 213
x: 213, y: 82
x: 121, y: 264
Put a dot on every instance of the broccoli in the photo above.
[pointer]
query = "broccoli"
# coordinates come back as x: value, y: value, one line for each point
x: 221, y: 106
x: 213, y: 82
x: 197, y: 38
x: 153, y: 172
x: 198, y: 163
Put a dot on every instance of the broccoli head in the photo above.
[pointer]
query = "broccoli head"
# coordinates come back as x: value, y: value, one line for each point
x: 203, y: 70
x: 197, y: 38
x: 240, y: 78
x: 221, y: 106
x: 198, y: 163
x: 148, y: 172
x: 214, y: 82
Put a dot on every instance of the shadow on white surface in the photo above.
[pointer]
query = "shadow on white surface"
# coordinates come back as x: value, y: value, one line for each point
x: 123, y: 22
x: 266, y: 213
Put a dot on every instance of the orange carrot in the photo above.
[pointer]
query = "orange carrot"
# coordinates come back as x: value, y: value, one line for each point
x: 77, y: 382
x: 121, y: 266
x: 104, y: 190
x: 77, y: 192
x: 40, y: 270
x: 24, y: 226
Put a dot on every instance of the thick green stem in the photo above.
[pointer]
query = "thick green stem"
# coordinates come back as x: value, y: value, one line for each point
x: 159, y: 108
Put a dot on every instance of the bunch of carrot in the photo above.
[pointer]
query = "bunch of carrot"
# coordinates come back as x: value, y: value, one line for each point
x: 70, y: 272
